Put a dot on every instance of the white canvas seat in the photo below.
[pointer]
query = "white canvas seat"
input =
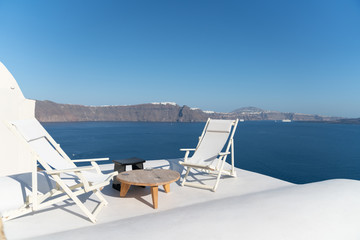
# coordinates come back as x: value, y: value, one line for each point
x: 208, y: 155
x: 71, y: 181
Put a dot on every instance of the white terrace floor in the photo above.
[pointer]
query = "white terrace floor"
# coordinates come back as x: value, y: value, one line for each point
x: 251, y: 206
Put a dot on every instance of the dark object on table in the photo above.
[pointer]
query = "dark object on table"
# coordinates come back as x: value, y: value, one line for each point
x: 120, y: 166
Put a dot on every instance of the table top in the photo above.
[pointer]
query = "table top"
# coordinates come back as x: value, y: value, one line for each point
x: 148, y: 177
x: 129, y: 161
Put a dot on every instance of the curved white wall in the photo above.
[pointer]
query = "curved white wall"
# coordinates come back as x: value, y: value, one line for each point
x: 14, y: 157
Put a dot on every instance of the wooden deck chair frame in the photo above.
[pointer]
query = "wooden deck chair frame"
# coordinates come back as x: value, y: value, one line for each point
x: 219, y: 169
x: 62, y: 191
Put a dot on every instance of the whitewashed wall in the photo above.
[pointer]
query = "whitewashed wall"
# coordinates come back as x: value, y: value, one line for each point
x: 14, y: 157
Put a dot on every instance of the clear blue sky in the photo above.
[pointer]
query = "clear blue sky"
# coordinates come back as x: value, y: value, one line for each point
x: 291, y: 56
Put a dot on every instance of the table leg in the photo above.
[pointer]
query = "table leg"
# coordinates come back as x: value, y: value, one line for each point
x: 154, y: 195
x: 124, y: 189
x: 167, y: 187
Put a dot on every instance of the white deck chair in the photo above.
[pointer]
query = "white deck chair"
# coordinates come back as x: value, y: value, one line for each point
x: 71, y: 181
x: 208, y: 156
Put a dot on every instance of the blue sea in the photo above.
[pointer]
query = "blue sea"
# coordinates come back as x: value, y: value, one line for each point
x: 297, y: 152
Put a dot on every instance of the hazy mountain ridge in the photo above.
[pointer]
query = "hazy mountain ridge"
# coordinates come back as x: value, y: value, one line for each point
x: 47, y: 111
x: 347, y: 121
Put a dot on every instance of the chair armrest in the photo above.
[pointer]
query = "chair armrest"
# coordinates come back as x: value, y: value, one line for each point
x: 224, y: 153
x: 91, y: 160
x: 187, y: 152
x: 187, y: 149
x: 78, y: 169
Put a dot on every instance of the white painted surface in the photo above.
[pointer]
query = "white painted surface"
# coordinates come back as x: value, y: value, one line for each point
x: 13, y: 106
x: 252, y: 206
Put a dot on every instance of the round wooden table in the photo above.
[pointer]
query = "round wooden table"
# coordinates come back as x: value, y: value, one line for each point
x: 148, y: 177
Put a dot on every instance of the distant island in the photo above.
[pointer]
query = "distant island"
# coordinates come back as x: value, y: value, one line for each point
x: 347, y: 121
x: 48, y: 111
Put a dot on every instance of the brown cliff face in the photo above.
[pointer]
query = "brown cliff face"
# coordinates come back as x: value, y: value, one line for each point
x: 47, y: 111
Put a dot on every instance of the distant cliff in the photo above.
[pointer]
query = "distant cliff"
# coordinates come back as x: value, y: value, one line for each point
x: 347, y: 121
x: 47, y: 111
x: 253, y: 113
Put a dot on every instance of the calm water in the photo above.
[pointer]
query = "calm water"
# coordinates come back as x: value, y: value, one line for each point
x: 295, y: 152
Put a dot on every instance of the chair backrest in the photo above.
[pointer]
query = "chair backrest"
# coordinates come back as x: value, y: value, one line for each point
x: 42, y: 143
x: 215, y: 135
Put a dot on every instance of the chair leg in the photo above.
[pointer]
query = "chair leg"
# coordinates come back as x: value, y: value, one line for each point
x: 217, y: 182
x: 186, y: 174
x: 68, y: 191
x: 84, y: 209
x: 233, y: 172
x: 100, y: 196
x: 219, y: 174
x: 102, y: 203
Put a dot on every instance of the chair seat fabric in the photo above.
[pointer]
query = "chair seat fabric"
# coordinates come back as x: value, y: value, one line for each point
x: 215, y: 144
